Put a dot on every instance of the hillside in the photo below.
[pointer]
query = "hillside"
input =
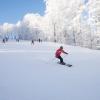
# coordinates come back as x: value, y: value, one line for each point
x: 30, y: 72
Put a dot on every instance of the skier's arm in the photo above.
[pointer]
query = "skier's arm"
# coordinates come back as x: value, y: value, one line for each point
x: 65, y: 52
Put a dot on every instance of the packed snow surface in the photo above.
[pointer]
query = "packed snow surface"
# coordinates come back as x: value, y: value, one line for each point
x: 31, y: 72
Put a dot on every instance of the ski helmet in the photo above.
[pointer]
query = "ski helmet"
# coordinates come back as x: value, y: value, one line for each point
x: 61, y: 47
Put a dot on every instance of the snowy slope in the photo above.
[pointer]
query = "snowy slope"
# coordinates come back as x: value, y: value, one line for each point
x: 30, y: 72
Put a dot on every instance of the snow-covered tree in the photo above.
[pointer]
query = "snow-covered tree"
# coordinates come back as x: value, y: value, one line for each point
x: 75, y: 22
x: 94, y: 21
x: 61, y: 14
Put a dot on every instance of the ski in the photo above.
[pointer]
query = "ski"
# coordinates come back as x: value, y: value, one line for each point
x: 69, y: 65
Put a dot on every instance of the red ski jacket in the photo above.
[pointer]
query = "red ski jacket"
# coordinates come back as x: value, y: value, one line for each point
x: 58, y: 52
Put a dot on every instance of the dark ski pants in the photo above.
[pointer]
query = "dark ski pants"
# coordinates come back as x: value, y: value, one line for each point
x: 61, y: 59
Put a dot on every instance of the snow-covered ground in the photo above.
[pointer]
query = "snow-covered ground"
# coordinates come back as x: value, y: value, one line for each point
x: 30, y: 72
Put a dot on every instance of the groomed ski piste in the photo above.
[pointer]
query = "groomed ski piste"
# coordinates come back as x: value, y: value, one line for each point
x: 31, y: 72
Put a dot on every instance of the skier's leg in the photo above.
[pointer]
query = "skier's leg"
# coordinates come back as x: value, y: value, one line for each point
x: 61, y: 59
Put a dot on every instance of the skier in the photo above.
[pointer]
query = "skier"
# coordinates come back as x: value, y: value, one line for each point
x: 39, y: 40
x: 58, y: 55
x: 32, y: 42
x: 3, y: 40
